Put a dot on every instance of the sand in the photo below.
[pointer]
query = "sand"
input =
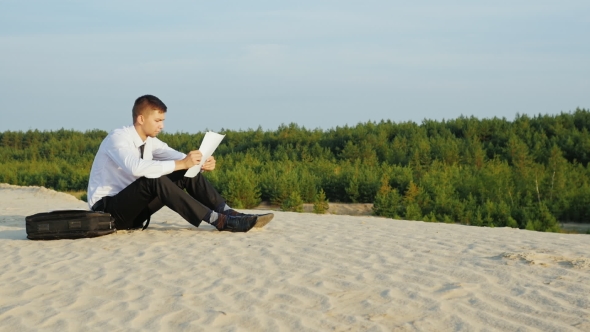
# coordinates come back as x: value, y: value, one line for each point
x: 302, y: 272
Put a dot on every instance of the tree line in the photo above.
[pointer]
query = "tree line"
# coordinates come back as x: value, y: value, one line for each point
x: 530, y: 172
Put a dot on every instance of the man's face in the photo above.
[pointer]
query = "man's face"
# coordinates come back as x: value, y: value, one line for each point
x: 153, y: 122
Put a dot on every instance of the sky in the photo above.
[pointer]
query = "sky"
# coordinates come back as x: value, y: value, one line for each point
x: 320, y: 64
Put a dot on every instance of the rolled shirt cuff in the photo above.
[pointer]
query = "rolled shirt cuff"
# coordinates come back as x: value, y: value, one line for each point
x: 168, y: 167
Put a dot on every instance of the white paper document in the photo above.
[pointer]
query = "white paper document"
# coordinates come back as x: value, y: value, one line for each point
x: 208, y: 146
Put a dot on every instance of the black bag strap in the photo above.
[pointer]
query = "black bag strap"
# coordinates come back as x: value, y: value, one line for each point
x: 141, y: 148
x: 146, y: 223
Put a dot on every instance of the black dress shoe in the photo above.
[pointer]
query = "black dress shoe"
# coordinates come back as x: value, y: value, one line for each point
x: 235, y: 223
x: 263, y: 219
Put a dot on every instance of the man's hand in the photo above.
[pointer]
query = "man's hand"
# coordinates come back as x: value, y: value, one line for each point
x: 209, y: 164
x: 192, y: 158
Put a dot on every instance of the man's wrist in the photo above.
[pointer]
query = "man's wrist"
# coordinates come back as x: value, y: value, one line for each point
x: 180, y: 165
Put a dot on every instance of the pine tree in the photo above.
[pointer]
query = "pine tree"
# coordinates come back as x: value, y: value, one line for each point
x: 293, y: 203
x: 320, y: 204
x: 388, y: 201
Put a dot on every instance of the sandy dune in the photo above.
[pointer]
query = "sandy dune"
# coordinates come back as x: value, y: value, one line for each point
x: 303, y: 272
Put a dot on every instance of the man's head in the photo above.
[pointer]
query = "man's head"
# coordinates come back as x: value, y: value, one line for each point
x: 148, y: 116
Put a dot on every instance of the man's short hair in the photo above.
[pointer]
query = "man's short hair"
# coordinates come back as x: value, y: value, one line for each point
x: 147, y: 103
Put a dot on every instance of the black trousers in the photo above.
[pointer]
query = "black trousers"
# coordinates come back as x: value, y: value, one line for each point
x: 192, y: 198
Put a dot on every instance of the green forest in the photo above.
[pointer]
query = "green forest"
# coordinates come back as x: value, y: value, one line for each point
x: 531, y: 172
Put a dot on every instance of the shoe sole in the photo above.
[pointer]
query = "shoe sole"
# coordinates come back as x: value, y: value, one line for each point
x: 263, y: 219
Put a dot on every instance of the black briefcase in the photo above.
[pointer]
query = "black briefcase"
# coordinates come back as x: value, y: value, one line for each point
x: 69, y: 224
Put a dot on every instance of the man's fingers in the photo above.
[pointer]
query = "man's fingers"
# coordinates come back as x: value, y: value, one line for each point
x: 196, y: 156
x: 209, y: 165
x: 193, y: 158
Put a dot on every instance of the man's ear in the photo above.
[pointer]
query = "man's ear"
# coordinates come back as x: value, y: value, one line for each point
x: 140, y: 119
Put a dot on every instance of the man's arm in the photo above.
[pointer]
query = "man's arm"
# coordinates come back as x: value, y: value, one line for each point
x: 125, y: 154
x: 163, y: 152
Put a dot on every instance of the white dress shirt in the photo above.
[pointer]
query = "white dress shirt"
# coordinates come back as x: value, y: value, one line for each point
x: 117, y: 163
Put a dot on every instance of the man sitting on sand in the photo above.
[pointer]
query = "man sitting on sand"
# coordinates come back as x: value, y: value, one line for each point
x: 134, y: 174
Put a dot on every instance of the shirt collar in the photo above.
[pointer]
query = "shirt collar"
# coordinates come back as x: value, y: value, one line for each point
x: 136, y: 139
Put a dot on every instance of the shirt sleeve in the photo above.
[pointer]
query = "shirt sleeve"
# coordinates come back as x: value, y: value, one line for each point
x: 124, y: 153
x: 161, y: 151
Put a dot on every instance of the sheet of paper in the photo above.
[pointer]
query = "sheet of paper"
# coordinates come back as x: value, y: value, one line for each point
x: 210, y: 143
